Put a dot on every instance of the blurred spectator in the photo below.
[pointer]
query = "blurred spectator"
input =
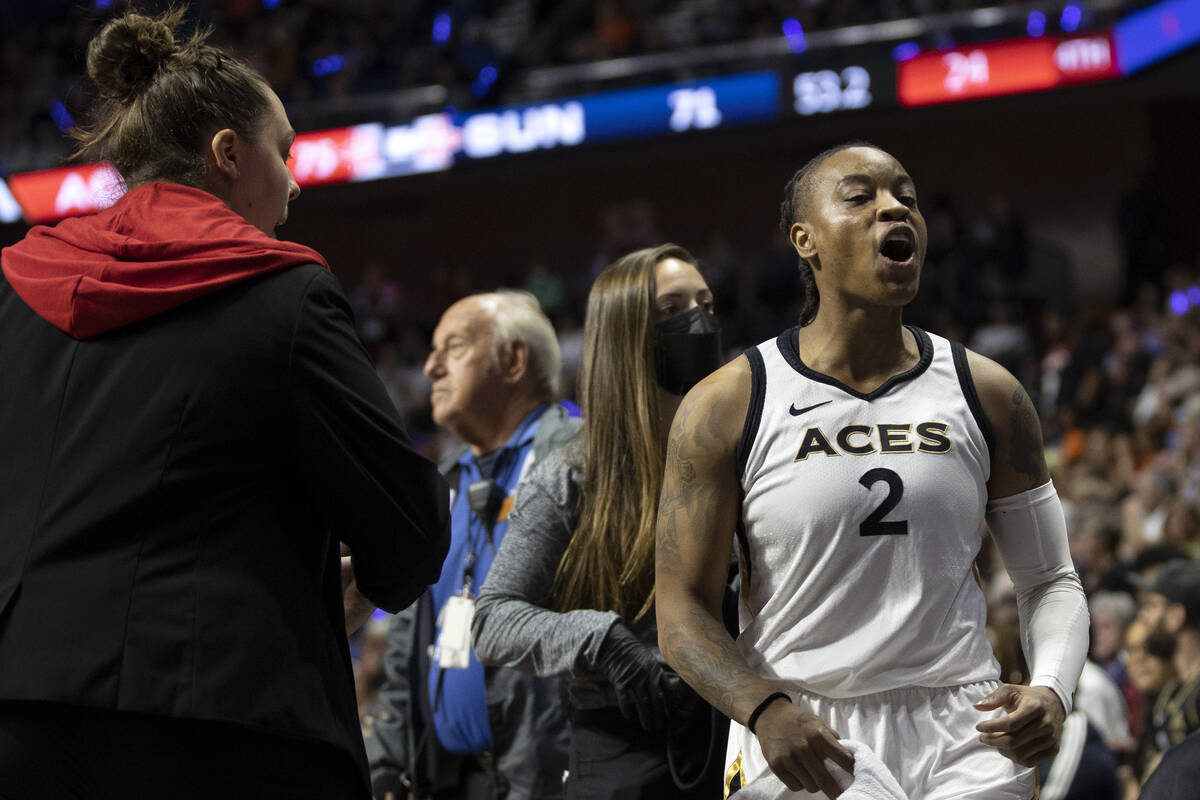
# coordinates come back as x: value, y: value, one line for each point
x: 1111, y: 614
x: 1083, y: 391
x: 1144, y: 513
x: 1170, y: 608
x: 1181, y: 527
x: 1100, y: 540
x: 1149, y: 562
x: 1058, y: 343
x: 1149, y: 662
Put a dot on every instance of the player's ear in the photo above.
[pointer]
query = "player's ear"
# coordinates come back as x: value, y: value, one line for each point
x: 801, y: 237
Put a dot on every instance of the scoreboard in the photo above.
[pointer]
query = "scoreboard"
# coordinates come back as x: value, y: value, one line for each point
x: 1004, y: 68
x: 850, y: 80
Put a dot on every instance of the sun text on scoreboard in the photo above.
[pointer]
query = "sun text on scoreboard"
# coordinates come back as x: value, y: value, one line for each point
x: 435, y: 142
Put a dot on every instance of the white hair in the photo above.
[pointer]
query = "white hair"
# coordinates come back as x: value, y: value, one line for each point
x: 517, y: 316
x: 1119, y: 603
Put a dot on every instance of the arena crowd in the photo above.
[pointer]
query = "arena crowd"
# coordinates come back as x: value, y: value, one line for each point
x: 281, y: 416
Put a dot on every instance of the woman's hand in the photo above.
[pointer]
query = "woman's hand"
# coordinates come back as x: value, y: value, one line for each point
x: 637, y: 676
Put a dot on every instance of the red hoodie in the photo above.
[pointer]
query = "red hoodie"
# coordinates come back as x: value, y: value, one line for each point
x: 161, y: 245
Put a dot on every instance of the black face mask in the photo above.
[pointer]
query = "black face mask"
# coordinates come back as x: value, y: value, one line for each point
x: 687, y: 348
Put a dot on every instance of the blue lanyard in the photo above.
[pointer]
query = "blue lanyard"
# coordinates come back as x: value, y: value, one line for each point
x: 479, y: 529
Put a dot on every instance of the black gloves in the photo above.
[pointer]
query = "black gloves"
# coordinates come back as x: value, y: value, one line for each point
x: 636, y: 675
x: 388, y: 785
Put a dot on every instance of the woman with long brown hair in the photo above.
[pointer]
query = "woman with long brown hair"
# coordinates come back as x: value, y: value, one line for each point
x: 571, y: 592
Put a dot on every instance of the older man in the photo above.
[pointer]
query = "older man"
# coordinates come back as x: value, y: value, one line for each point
x: 462, y: 731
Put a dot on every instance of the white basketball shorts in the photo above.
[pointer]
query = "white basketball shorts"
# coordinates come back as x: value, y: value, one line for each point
x: 925, y: 737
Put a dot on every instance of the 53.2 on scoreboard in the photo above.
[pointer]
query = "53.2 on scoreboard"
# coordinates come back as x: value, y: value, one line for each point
x: 826, y: 90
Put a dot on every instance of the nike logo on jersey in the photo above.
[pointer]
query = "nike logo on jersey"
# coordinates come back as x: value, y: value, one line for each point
x: 795, y: 412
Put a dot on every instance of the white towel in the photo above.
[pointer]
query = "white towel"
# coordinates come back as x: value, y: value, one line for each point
x: 871, y: 780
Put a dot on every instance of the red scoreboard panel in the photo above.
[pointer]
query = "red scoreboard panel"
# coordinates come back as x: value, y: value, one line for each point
x: 320, y: 157
x: 1001, y: 68
x: 338, y: 155
x: 51, y: 194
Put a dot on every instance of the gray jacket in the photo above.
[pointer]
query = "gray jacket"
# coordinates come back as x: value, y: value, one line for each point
x: 513, y: 627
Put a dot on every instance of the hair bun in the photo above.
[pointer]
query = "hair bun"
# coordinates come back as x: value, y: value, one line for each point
x: 126, y: 54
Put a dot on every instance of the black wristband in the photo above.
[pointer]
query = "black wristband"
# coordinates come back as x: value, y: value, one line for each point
x: 761, y: 707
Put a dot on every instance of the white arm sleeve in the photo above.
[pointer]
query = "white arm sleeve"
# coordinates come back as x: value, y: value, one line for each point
x: 1031, y: 533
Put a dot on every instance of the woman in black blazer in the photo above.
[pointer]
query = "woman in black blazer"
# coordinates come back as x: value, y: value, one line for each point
x: 189, y: 426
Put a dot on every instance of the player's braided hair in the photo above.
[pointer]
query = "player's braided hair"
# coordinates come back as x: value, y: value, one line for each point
x: 794, y: 206
x: 163, y: 96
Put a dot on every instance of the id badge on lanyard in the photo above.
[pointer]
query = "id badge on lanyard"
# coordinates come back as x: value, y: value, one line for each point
x: 453, y: 649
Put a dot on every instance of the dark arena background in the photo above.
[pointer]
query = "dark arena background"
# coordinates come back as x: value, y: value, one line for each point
x: 454, y: 146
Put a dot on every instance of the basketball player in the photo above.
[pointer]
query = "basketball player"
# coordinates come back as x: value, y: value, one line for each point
x: 856, y: 458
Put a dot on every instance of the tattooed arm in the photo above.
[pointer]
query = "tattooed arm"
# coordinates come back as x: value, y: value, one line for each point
x: 697, y: 512
x: 698, y: 509
x: 1018, y: 462
x: 1026, y: 522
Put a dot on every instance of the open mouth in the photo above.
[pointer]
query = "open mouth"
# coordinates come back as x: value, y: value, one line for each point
x: 897, y: 249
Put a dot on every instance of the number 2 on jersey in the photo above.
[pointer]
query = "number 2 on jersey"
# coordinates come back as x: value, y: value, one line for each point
x: 875, y: 524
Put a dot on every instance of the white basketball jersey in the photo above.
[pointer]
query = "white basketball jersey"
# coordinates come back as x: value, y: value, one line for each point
x: 861, y: 521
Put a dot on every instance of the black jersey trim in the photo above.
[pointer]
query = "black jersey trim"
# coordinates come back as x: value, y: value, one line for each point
x: 788, y: 342
x: 968, y: 389
x: 743, y: 551
x: 758, y: 396
x: 746, y: 569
